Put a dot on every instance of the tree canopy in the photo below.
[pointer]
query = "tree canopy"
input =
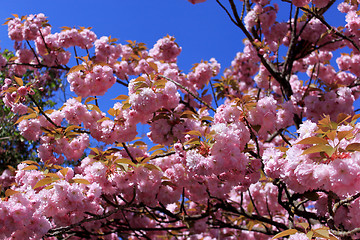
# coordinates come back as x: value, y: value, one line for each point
x: 267, y: 148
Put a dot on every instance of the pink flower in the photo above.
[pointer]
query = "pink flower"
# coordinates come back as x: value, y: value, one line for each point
x: 166, y: 49
x: 203, y: 73
x: 92, y: 83
x: 30, y: 129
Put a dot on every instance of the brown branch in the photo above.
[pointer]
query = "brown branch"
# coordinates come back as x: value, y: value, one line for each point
x: 63, y: 230
x: 122, y: 83
x: 267, y: 64
x: 221, y: 224
x: 32, y: 49
x: 332, y: 29
x: 42, y: 112
x: 345, y: 233
x: 345, y: 201
x: 128, y: 153
x: 40, y: 66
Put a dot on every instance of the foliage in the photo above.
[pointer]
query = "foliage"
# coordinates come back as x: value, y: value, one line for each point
x: 14, y: 148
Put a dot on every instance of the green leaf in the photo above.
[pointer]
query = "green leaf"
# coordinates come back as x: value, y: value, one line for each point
x: 121, y: 97
x: 310, y: 234
x: 304, y: 225
x: 139, y: 143
x: 322, y: 232
x: 140, y: 79
x: 344, y: 134
x: 126, y: 106
x: 352, y: 147
x: 72, y: 127
x: 64, y: 171
x: 102, y: 119
x: 331, y: 135
x: 152, y: 167
x: 157, y: 152
x: 156, y: 147
x: 30, y: 167
x: 124, y: 161
x: 313, y: 140
x: 89, y: 99
x: 10, y: 192
x: 318, y: 148
x: 95, y: 150
x: 54, y: 176
x: 342, y: 117
x: 355, y: 117
x: 194, y: 132
x: 192, y: 141
x: 93, y: 107
x: 43, y: 182
x: 76, y: 69
x: 29, y: 162
x: 160, y: 82
x: 81, y: 180
x: 153, y: 66
x: 19, y: 81
x: 29, y: 116
x: 208, y: 118
x: 285, y: 233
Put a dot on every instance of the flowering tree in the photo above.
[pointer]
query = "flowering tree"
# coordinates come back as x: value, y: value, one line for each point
x: 222, y: 163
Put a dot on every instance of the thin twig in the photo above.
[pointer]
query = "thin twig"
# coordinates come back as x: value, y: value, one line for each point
x: 42, y: 112
x: 332, y: 29
x: 189, y: 92
x: 128, y: 152
x: 32, y: 49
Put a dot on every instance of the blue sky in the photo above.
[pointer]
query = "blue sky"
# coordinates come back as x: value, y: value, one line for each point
x: 202, y: 30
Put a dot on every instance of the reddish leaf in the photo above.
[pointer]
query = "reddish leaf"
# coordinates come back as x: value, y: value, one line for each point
x: 29, y: 162
x: 10, y: 192
x: 80, y: 180
x: 43, y: 182
x: 313, y: 140
x: 19, y: 81
x: 318, y: 148
x: 121, y: 97
x: 30, y: 167
x: 352, y: 147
